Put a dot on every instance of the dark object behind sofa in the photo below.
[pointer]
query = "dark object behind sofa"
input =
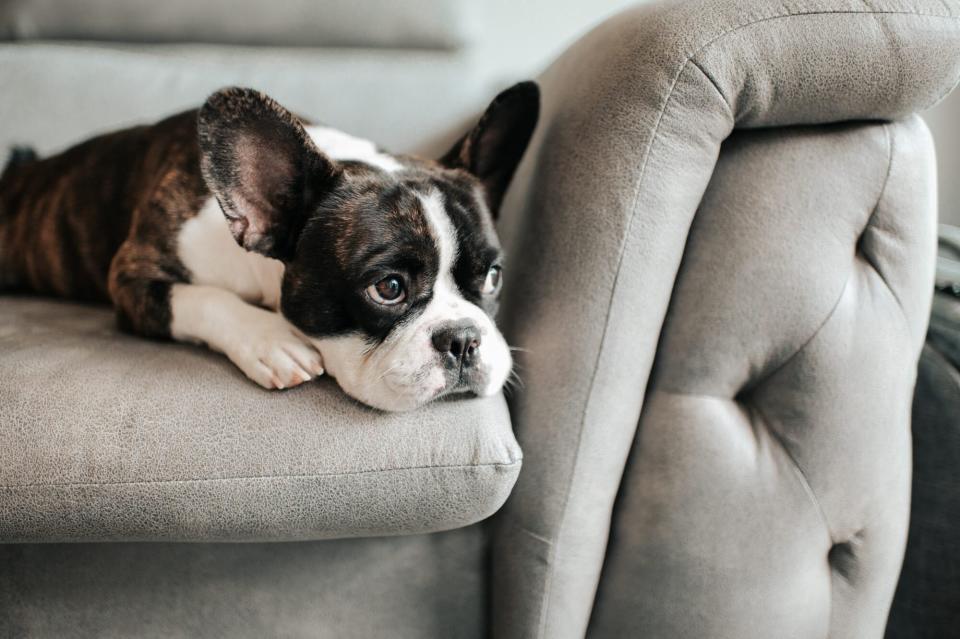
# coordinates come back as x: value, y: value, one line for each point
x: 927, y: 603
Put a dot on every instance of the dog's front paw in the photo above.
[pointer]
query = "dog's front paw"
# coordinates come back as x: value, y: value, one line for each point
x: 275, y: 355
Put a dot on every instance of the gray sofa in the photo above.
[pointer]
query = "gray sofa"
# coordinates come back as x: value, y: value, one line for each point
x: 721, y: 240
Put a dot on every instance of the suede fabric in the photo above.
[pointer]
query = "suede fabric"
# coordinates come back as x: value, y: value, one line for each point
x: 411, y: 587
x: 106, y: 436
x: 633, y: 118
x: 771, y: 468
x: 426, y: 24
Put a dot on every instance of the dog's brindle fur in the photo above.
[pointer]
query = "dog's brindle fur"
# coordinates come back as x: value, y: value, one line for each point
x: 101, y: 221
x: 98, y: 222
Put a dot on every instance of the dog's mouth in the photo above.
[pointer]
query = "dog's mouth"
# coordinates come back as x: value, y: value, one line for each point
x: 456, y: 394
x: 461, y: 387
x: 457, y: 384
x: 406, y: 374
x: 403, y: 393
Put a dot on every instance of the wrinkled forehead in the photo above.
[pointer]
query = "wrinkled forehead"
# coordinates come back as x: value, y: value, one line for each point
x: 465, y: 205
x: 416, y: 213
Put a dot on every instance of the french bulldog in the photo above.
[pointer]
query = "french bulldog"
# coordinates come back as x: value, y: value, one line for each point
x: 292, y: 248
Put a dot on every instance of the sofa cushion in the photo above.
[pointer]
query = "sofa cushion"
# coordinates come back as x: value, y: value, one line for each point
x: 426, y: 24
x: 105, y: 436
x: 67, y: 92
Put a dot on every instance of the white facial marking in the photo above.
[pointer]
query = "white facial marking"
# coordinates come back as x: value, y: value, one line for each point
x: 449, y: 305
x: 406, y: 371
x: 338, y: 145
x: 443, y: 232
x: 207, y: 248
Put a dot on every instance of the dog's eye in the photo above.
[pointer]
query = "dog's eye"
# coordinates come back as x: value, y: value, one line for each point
x: 492, y: 284
x: 388, y: 291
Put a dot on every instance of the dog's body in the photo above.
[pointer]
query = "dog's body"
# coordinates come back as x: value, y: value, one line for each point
x: 292, y: 249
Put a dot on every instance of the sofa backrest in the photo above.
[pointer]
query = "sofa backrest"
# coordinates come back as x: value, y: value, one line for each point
x: 420, y: 24
x: 768, y: 487
x: 409, y: 75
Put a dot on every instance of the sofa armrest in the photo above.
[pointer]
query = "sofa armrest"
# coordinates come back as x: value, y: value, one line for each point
x: 108, y: 437
x: 633, y: 118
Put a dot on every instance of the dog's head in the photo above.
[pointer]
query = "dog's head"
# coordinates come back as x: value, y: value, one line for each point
x: 392, y: 263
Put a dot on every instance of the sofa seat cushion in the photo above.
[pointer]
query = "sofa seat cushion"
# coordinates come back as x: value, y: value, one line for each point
x: 105, y: 436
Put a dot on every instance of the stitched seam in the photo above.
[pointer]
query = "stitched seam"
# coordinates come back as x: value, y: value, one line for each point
x: 802, y: 14
x: 809, y: 340
x: 833, y: 310
x: 715, y: 84
x: 776, y: 369
x: 545, y: 600
x: 266, y: 477
x: 798, y: 472
x: 945, y: 94
x: 775, y: 436
x: 526, y: 531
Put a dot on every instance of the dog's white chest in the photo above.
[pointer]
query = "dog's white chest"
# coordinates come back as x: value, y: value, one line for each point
x: 208, y: 250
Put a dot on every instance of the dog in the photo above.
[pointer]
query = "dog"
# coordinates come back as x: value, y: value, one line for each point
x: 293, y: 249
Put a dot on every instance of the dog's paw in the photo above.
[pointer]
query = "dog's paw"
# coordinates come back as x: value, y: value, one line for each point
x: 274, y: 355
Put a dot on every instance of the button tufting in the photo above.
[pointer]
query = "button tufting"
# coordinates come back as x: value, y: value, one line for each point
x: 842, y: 556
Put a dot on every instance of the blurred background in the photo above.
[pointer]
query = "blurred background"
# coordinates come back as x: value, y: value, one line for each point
x: 405, y: 74
x: 944, y: 122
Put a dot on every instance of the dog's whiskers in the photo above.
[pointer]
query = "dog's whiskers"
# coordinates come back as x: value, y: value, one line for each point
x: 513, y: 382
x: 385, y: 373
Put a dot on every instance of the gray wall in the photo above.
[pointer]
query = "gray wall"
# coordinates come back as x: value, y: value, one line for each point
x: 521, y: 37
x: 944, y: 121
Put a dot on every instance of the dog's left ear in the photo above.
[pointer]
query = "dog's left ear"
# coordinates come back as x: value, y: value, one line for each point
x: 262, y: 167
x: 492, y: 150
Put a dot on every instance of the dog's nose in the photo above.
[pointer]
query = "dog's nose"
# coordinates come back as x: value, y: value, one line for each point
x: 457, y: 343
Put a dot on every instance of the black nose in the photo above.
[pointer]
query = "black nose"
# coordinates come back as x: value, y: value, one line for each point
x: 457, y: 344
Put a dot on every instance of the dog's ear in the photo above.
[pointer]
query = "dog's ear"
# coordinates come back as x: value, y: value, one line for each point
x: 493, y: 148
x: 262, y: 167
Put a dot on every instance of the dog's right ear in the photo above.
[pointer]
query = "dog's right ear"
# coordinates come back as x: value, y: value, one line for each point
x: 493, y: 148
x: 262, y: 167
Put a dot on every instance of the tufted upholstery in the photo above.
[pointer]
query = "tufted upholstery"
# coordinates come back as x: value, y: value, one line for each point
x: 634, y: 117
x: 778, y: 411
